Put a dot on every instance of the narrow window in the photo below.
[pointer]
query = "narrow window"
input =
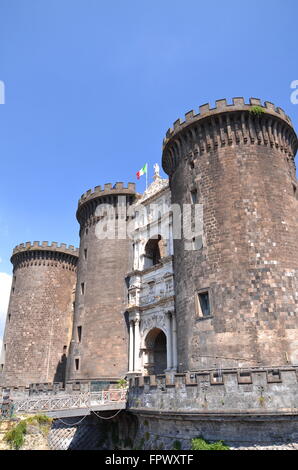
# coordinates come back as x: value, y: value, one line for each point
x: 9, y: 316
x: 77, y: 363
x: 295, y: 190
x: 4, y: 347
x: 85, y: 253
x: 12, y: 290
x: 64, y: 350
x: 79, y: 333
x: 82, y: 288
x: 87, y: 231
x: 2, y: 367
x: 194, y: 196
x: 203, y: 304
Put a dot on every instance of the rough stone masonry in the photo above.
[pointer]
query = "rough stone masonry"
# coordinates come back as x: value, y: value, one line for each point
x: 241, y: 353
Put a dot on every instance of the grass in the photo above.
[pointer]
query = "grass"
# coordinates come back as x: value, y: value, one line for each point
x: 16, y: 436
x: 200, y: 444
x: 256, y: 110
x: 121, y: 383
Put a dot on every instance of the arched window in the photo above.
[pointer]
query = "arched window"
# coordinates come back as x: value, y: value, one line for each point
x: 154, y: 251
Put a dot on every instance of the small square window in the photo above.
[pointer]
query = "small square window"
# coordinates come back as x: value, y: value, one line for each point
x: 203, y: 304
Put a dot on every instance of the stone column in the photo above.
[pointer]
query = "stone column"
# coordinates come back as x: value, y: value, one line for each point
x: 174, y: 331
x: 170, y: 243
x: 131, y: 343
x: 137, y: 345
x: 169, y: 340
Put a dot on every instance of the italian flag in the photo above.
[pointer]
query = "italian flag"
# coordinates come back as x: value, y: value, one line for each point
x: 142, y: 171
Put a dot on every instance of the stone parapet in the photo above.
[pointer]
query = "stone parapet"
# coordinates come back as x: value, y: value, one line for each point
x: 45, y: 246
x: 257, y: 390
x: 228, y: 124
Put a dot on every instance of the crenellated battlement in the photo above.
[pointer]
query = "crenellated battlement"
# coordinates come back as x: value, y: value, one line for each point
x: 46, y: 246
x: 222, y: 106
x: 108, y: 195
x: 108, y: 190
x: 251, y: 390
x: 229, y: 124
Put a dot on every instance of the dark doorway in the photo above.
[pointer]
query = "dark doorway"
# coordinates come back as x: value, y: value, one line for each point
x: 154, y: 251
x: 156, y: 348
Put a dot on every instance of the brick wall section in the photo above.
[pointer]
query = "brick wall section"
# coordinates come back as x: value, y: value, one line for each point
x: 39, y: 319
x: 243, y: 169
x: 100, y: 311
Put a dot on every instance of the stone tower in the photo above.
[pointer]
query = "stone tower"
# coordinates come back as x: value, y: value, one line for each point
x: 39, y: 318
x: 99, y: 346
x: 237, y: 294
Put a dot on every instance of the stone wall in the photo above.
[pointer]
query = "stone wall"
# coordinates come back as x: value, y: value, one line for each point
x: 226, y: 391
x: 242, y: 166
x: 244, y: 408
x: 99, y: 346
x: 169, y: 431
x: 54, y: 389
x: 39, y: 319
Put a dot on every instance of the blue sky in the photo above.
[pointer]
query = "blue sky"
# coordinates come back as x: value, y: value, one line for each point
x: 91, y: 88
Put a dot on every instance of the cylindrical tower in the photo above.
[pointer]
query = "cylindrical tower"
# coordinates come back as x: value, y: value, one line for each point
x: 99, y: 346
x: 39, y: 319
x: 237, y: 293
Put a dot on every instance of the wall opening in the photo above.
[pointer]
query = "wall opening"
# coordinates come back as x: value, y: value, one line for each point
x: 156, y: 352
x: 203, y: 307
x: 79, y: 333
x: 154, y: 251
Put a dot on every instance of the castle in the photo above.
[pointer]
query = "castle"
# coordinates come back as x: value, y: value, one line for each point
x: 213, y: 314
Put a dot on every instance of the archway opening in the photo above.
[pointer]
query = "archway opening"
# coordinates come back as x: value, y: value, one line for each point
x: 154, y: 251
x: 156, y: 349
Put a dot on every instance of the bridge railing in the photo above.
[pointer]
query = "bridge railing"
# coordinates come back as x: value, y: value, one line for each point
x: 86, y: 400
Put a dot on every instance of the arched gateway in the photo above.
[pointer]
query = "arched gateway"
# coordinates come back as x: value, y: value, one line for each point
x: 156, y: 351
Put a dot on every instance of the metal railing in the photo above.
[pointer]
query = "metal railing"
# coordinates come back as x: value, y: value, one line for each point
x: 88, y: 400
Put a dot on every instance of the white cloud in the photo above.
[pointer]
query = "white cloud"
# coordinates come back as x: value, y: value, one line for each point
x: 5, y: 285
